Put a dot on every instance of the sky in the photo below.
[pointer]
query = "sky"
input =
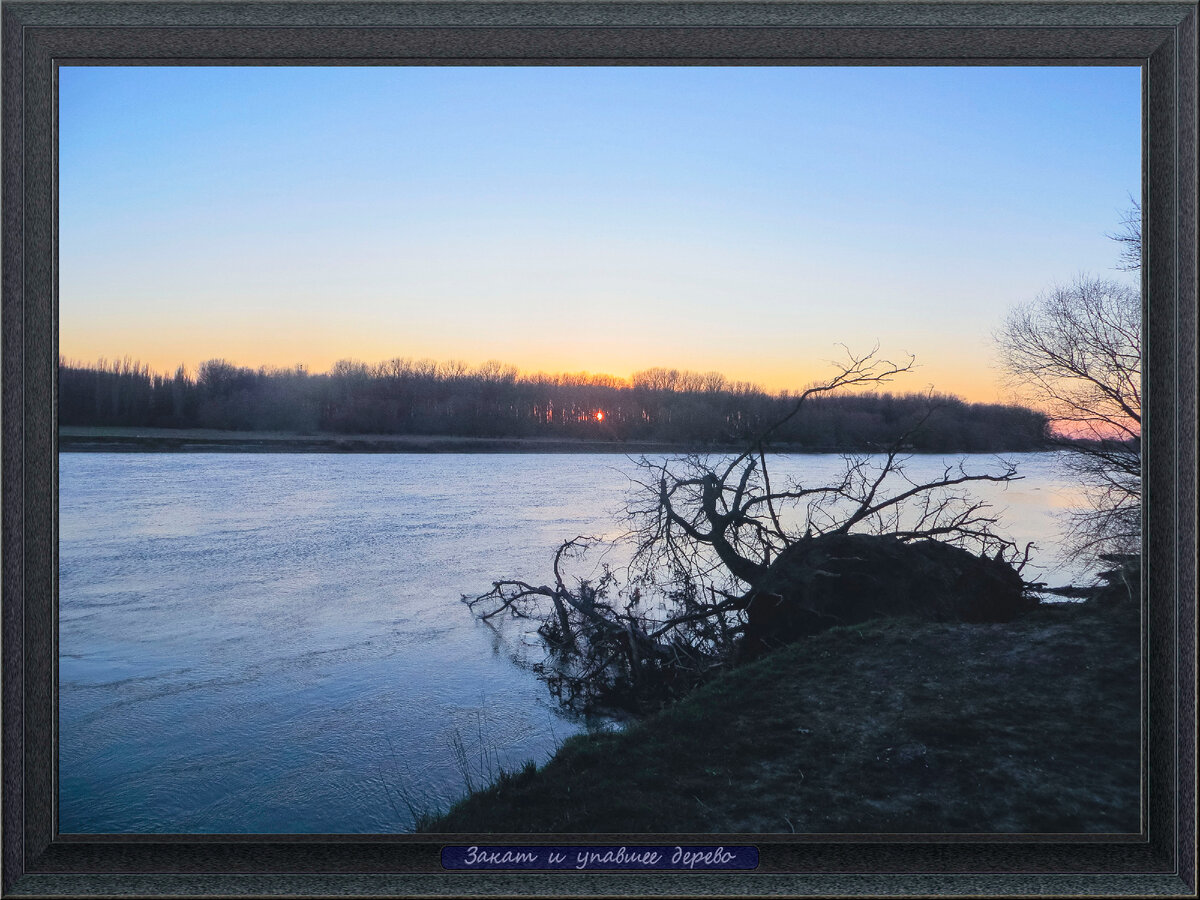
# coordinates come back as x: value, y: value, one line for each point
x: 746, y: 220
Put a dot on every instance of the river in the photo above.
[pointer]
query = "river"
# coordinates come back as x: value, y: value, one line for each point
x: 262, y: 643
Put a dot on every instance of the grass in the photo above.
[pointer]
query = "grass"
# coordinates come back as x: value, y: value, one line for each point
x: 478, y: 766
x: 891, y: 726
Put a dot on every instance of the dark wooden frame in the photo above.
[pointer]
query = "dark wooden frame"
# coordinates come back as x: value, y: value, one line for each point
x: 37, y: 37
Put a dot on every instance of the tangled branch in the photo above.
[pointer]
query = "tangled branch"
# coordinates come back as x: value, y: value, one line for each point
x: 705, y: 534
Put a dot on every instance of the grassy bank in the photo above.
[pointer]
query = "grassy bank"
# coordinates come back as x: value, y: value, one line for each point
x: 892, y: 726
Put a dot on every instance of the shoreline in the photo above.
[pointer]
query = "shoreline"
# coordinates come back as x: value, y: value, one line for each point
x: 894, y: 725
x: 92, y: 439
x: 196, y: 440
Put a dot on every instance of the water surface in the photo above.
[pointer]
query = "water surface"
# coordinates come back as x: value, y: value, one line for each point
x: 274, y: 643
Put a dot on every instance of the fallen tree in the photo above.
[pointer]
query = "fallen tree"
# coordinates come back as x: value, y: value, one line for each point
x: 725, y: 564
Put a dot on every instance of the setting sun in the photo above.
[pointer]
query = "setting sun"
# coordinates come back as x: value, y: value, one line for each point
x: 600, y: 416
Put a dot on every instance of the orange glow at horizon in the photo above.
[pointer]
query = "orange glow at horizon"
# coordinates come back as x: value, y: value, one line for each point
x: 1098, y: 431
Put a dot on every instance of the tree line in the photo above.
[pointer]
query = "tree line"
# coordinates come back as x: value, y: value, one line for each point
x: 425, y: 397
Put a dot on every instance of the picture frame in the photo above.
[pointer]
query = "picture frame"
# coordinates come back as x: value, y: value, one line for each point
x: 38, y: 37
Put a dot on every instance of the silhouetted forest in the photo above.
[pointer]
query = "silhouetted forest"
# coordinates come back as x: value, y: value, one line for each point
x: 424, y: 397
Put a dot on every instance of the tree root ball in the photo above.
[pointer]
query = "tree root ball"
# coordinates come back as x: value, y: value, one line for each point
x: 843, y: 579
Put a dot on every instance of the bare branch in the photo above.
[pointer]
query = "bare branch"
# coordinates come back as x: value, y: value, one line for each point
x: 706, y: 533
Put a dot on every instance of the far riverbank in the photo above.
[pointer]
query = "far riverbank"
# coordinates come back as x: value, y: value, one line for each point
x: 87, y: 439
x: 116, y: 439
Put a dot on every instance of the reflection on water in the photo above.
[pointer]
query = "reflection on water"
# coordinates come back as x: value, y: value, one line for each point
x: 274, y: 643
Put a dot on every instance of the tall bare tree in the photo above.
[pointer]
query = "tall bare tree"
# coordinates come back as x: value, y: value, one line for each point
x: 1075, y: 352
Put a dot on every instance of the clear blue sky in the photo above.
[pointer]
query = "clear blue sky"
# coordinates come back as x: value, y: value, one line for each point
x: 566, y: 219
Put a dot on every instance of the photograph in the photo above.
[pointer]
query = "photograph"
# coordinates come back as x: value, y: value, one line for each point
x: 577, y: 449
x: 588, y: 449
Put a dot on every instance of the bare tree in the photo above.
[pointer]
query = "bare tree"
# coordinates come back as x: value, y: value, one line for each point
x: 718, y: 550
x: 1130, y: 238
x: 1076, y: 353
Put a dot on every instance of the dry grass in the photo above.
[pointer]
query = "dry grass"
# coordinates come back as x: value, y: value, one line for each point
x: 892, y: 726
